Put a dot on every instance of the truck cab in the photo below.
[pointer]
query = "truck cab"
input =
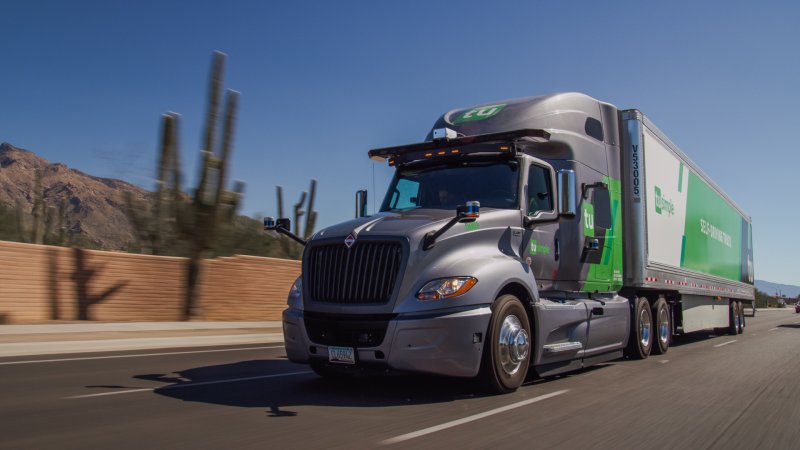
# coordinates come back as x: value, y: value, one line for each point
x: 498, y: 247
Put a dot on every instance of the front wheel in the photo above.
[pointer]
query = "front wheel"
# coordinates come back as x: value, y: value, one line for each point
x: 508, y: 346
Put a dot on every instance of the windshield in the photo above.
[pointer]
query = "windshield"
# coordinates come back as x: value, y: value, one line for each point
x: 494, y: 184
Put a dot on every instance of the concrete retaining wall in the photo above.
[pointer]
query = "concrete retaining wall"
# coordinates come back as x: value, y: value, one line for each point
x: 41, y: 283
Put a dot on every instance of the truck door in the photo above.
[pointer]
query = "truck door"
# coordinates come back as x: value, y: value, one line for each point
x: 609, y: 318
x: 540, y: 239
x: 601, y: 253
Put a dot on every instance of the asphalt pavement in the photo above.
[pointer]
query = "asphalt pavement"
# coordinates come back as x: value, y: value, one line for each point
x: 708, y: 391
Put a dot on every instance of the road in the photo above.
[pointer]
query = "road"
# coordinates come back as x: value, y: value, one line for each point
x: 706, y: 392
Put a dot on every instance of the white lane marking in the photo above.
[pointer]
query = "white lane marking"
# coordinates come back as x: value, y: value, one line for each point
x: 468, y: 419
x: 137, y: 355
x: 773, y: 329
x: 725, y: 343
x: 664, y: 361
x: 178, y: 386
x: 102, y: 394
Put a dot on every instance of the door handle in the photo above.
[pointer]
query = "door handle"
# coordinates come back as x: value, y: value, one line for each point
x: 597, y: 311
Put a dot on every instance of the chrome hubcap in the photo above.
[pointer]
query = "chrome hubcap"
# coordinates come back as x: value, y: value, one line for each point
x: 663, y: 328
x: 514, y: 344
x: 644, y: 328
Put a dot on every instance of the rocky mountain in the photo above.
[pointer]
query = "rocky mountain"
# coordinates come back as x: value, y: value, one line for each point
x: 95, y: 207
x: 773, y: 289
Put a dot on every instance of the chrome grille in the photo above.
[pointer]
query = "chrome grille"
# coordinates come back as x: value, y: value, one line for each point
x: 363, y: 274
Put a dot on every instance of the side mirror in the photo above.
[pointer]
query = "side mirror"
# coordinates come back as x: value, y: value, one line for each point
x: 566, y: 193
x: 282, y: 226
x: 270, y: 224
x: 361, y: 203
x: 586, y: 187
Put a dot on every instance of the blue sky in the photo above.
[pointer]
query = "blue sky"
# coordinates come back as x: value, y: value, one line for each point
x: 84, y: 83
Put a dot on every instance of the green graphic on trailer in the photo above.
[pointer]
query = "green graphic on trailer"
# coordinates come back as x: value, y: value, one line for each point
x: 479, y: 113
x: 712, y: 234
x: 606, y: 275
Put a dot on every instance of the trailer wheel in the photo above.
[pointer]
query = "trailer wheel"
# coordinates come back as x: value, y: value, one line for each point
x: 641, y: 338
x: 507, y: 349
x: 663, y: 327
x: 734, y: 318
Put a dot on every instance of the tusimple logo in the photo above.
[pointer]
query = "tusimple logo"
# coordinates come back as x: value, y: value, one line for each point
x: 663, y: 206
x: 479, y: 113
x: 537, y: 248
x: 588, y: 219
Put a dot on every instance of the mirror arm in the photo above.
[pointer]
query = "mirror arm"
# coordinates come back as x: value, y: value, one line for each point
x: 297, y: 239
x: 431, y: 236
x: 461, y: 216
x: 282, y: 226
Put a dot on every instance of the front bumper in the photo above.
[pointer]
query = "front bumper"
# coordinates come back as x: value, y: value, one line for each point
x: 441, y: 343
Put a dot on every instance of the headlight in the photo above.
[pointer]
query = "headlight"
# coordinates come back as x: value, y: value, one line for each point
x: 446, y: 288
x: 296, y: 293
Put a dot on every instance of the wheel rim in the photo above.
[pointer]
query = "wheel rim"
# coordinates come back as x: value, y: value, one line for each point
x: 644, y: 328
x: 514, y: 344
x: 663, y: 326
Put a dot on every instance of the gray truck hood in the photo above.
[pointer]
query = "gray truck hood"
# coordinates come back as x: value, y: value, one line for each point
x: 409, y: 224
x: 387, y: 223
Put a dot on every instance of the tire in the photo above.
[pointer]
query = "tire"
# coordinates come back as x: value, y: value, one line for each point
x: 640, y: 342
x: 741, y: 317
x: 663, y: 327
x: 507, y: 349
x: 733, y: 318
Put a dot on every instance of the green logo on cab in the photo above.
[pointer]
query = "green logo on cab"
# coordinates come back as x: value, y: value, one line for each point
x: 479, y: 113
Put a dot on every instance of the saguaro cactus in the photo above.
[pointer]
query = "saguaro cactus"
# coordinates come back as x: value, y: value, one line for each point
x: 37, y: 232
x: 155, y: 228
x: 291, y: 248
x: 196, y: 223
x: 212, y: 204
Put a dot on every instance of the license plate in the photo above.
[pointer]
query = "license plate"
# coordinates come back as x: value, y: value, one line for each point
x: 342, y: 355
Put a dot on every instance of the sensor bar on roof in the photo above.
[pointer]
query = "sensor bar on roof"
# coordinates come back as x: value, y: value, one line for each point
x: 381, y: 154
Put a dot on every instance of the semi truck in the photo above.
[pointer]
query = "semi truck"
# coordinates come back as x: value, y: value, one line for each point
x: 541, y: 234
